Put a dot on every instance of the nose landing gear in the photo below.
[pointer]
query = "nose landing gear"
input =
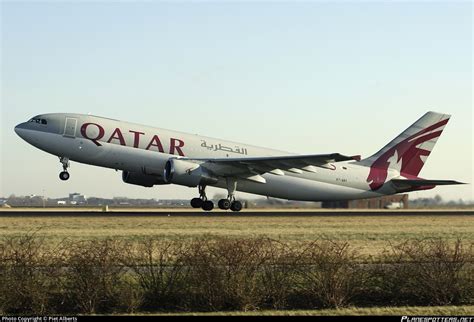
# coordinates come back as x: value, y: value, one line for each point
x: 64, y: 175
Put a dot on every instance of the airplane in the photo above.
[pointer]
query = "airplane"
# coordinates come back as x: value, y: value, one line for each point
x: 149, y: 156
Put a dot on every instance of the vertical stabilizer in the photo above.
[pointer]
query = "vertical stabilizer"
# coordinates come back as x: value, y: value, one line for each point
x: 407, y: 153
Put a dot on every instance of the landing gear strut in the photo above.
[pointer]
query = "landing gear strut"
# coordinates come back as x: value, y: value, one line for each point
x: 64, y: 175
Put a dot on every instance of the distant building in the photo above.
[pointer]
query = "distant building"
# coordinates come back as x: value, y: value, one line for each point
x: 387, y: 202
x: 77, y: 199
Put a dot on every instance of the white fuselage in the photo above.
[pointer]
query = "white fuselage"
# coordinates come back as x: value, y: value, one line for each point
x: 142, y: 149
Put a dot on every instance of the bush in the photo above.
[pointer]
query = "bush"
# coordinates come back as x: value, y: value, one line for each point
x: 215, y: 274
x: 94, y: 276
x: 157, y: 267
x: 224, y: 273
x: 277, y: 275
x: 427, y: 272
x: 329, y: 274
x: 28, y: 274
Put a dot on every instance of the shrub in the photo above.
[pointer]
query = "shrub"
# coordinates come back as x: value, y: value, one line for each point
x: 224, y: 273
x: 329, y: 274
x: 277, y: 275
x: 427, y: 272
x: 28, y: 274
x: 157, y: 267
x: 93, y: 276
x: 216, y: 273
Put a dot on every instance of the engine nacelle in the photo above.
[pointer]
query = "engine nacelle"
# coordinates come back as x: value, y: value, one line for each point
x: 187, y: 173
x: 140, y: 179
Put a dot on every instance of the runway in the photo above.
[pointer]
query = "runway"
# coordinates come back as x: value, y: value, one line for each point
x: 123, y: 212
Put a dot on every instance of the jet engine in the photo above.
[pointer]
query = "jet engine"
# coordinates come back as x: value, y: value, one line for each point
x: 187, y: 173
x: 140, y: 179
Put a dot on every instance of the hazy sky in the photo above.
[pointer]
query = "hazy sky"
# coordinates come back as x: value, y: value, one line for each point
x: 313, y: 77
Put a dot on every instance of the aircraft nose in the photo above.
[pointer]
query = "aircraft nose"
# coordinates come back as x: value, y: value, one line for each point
x: 19, y: 129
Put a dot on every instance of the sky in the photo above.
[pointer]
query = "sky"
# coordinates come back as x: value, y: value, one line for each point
x: 306, y: 77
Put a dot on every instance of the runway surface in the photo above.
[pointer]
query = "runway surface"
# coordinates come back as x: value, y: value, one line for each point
x: 6, y: 212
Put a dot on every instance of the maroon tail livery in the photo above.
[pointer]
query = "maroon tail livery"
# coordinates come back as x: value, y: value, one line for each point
x: 408, y: 152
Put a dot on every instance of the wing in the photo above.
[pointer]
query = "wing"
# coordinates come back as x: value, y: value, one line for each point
x: 252, y: 168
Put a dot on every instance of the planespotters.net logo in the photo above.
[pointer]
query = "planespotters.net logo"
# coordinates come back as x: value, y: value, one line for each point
x: 437, y: 319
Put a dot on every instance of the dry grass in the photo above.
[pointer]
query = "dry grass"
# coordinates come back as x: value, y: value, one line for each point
x: 404, y: 310
x: 369, y: 234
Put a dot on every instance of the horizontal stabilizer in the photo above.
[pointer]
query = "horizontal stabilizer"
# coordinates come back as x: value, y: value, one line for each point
x: 415, y: 183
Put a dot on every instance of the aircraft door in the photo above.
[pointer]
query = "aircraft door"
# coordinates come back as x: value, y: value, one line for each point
x: 70, y: 127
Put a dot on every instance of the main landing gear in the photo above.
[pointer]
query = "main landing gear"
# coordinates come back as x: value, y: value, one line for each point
x: 224, y: 204
x: 230, y: 202
x: 64, y: 175
x: 202, y: 201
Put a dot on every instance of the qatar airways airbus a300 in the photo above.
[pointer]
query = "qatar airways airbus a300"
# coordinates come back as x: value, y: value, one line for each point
x: 151, y: 156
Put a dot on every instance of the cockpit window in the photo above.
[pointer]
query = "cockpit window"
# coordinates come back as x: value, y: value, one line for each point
x: 38, y: 120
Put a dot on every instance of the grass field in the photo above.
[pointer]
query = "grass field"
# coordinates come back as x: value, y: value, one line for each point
x: 368, y: 234
x: 404, y: 310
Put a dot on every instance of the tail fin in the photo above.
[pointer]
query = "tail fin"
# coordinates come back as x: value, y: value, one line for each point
x: 408, y: 152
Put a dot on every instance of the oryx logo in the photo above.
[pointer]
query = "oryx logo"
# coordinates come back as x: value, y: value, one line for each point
x: 407, y: 157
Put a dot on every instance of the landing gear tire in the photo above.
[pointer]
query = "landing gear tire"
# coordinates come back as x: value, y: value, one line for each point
x: 196, y: 202
x: 224, y: 204
x: 64, y: 175
x: 236, y: 206
x: 207, y: 205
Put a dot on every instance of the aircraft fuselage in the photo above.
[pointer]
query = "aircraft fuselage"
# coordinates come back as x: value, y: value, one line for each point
x: 145, y: 150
